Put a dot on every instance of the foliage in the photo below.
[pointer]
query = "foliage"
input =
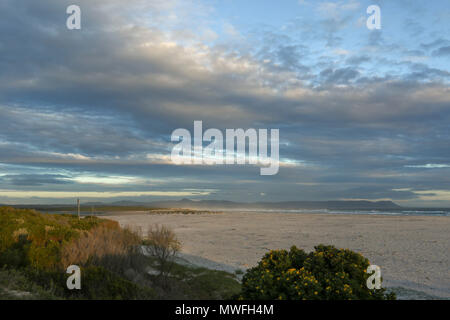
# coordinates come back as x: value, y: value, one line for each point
x: 162, y: 244
x: 97, y: 283
x: 101, y: 242
x: 189, y: 282
x: 327, y: 273
x: 31, y: 238
x: 40, y: 247
x: 35, y: 250
x: 15, y: 284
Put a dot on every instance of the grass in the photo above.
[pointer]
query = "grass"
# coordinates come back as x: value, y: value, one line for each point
x: 197, y: 283
x: 185, y: 283
x: 15, y: 285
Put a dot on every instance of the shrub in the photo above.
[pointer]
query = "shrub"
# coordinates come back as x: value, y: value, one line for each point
x: 42, y: 246
x: 327, y: 273
x: 99, y: 244
x: 31, y: 238
x: 14, y: 284
x: 163, y: 244
x: 97, y: 283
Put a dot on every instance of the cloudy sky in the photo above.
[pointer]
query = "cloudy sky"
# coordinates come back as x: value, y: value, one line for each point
x: 362, y: 114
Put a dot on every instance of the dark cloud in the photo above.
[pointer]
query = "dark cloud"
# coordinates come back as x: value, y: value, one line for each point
x: 357, y: 60
x: 339, y: 76
x: 443, y: 51
x: 33, y: 179
x: 435, y: 43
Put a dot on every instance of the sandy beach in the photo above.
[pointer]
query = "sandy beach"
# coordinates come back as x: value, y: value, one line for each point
x: 412, y: 251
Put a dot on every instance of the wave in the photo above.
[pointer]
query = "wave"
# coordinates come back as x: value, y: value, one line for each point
x: 399, y: 212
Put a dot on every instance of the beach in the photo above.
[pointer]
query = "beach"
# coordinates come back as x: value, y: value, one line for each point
x: 413, y: 252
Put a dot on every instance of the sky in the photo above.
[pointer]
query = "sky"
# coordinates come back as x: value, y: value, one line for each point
x: 89, y: 113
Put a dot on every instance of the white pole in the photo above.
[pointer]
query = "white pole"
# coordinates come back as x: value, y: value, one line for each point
x: 78, y: 206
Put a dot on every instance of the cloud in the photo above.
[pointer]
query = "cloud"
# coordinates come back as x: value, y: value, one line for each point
x: 433, y: 195
x: 357, y: 60
x: 435, y: 43
x: 339, y: 76
x: 97, y: 195
x: 33, y: 179
x: 442, y: 51
x: 429, y: 166
x: 93, y: 111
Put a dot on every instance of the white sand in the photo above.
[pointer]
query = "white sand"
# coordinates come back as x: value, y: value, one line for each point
x: 412, y: 251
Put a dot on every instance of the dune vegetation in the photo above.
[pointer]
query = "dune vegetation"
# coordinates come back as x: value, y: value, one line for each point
x: 36, y: 249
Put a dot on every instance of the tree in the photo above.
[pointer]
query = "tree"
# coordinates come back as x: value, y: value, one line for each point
x: 162, y: 244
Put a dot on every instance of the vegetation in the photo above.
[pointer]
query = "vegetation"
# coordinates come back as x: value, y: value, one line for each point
x: 189, y: 282
x: 36, y: 249
x: 84, y: 208
x: 162, y: 244
x: 15, y: 285
x: 28, y: 238
x: 327, y: 273
x: 110, y: 210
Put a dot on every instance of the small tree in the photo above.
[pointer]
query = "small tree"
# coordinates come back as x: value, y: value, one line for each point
x: 163, y: 244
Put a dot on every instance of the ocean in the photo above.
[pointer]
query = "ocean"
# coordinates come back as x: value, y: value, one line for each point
x: 393, y: 212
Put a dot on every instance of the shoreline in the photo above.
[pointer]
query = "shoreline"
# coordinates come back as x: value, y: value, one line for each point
x: 412, y: 251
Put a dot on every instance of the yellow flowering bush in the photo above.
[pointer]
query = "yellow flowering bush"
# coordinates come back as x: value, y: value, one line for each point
x: 327, y: 273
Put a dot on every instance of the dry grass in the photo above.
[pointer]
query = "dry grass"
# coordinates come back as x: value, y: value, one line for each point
x: 102, y: 245
x: 119, y: 250
x: 20, y: 232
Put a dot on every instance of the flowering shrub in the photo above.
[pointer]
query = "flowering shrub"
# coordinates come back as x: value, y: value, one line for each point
x: 327, y: 273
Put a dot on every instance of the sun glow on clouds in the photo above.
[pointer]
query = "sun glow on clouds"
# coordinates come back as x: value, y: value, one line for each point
x: 433, y: 195
x: 115, y: 180
x: 430, y: 166
x: 429, y: 195
x: 71, y: 156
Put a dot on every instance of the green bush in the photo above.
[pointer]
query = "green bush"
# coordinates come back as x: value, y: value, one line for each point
x: 30, y: 238
x: 97, y: 283
x: 14, y: 284
x: 327, y: 273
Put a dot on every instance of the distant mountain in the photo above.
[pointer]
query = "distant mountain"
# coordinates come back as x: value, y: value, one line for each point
x: 287, y: 205
x: 223, y: 204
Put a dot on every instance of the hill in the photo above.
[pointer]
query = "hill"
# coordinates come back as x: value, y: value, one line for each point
x: 222, y: 204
